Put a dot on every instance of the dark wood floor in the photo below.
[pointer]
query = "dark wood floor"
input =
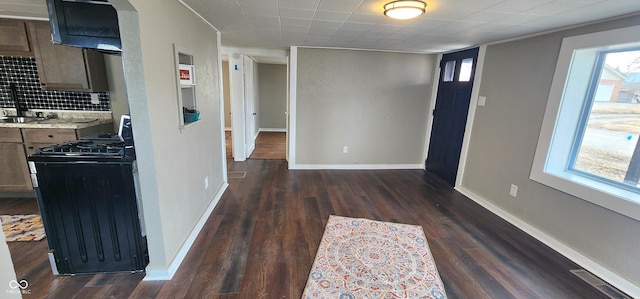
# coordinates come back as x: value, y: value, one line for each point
x: 262, y: 237
x: 270, y: 145
x: 228, y: 143
x: 31, y: 263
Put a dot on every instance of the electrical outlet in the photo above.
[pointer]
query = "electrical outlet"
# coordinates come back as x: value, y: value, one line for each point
x: 206, y: 182
x: 345, y: 149
x: 513, y: 191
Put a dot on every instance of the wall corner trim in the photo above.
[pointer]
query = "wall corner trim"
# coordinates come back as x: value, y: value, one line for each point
x: 167, y: 274
x: 588, y: 264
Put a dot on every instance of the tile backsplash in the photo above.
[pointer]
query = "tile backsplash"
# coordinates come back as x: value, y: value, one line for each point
x: 23, y: 72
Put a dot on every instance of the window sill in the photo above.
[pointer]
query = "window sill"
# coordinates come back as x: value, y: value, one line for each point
x: 188, y: 125
x: 596, y: 192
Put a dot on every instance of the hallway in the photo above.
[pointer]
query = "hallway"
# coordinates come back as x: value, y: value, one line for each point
x: 269, y: 145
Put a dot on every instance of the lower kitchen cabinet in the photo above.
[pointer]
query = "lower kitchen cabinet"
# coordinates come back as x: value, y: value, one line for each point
x: 16, y: 144
x: 14, y: 173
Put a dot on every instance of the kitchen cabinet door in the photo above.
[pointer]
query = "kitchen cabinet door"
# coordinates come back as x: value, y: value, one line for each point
x: 14, y: 172
x: 66, y: 68
x: 14, y: 38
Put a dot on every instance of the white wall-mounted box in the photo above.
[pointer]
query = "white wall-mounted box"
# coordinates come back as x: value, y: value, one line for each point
x: 187, y: 74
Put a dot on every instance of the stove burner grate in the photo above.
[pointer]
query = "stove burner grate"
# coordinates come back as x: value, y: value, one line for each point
x: 84, y: 148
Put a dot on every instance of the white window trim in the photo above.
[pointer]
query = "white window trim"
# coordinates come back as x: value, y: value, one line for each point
x: 555, y: 176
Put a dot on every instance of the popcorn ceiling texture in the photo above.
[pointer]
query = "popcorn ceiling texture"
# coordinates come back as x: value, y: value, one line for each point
x: 23, y: 72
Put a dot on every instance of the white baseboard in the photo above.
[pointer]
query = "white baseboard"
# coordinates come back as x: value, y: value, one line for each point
x: 588, y: 264
x: 167, y: 274
x: 251, y: 149
x: 356, y: 166
x: 272, y: 130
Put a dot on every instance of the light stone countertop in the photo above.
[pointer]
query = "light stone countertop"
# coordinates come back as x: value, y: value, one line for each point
x: 64, y: 120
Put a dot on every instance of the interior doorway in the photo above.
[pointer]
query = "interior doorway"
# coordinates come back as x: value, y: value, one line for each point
x: 255, y: 106
x: 272, y: 106
x: 227, y: 109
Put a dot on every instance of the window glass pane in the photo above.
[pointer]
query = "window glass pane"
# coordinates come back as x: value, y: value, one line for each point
x: 465, y: 70
x: 449, y: 69
x: 613, y: 123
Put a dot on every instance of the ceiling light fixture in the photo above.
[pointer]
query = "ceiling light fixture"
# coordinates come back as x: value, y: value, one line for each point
x: 404, y: 9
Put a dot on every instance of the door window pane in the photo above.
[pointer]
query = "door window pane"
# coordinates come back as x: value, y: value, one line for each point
x: 465, y: 70
x: 449, y: 69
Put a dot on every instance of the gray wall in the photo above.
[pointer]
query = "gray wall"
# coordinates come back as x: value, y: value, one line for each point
x: 376, y: 103
x: 173, y: 164
x: 516, y: 81
x: 273, y: 95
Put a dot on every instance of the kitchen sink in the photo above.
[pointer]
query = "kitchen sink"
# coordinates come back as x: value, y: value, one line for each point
x: 19, y: 119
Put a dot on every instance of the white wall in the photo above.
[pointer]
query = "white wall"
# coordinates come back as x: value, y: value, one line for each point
x: 227, y: 97
x: 255, y: 86
x: 238, y: 105
x: 375, y: 103
x: 7, y: 272
x: 251, y: 100
x: 243, y: 86
x: 516, y: 81
x: 173, y: 164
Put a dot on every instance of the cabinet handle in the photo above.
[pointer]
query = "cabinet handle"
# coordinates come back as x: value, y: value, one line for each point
x: 31, y: 147
x: 50, y: 136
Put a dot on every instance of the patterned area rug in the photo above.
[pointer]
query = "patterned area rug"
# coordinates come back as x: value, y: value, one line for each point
x: 361, y: 258
x: 22, y: 227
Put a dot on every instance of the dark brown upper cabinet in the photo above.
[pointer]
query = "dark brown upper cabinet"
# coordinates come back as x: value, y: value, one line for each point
x: 14, y: 38
x: 66, y: 68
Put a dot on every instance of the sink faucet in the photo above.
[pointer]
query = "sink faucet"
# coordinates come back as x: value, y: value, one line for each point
x: 21, y: 107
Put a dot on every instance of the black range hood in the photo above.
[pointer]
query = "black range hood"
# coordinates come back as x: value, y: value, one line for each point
x: 91, y: 24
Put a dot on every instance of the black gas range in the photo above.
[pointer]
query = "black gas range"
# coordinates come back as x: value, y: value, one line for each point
x: 86, y: 191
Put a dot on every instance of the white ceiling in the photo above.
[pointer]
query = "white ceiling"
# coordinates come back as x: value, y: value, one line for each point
x: 360, y: 24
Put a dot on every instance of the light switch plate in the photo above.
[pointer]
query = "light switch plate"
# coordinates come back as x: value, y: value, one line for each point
x: 514, y: 190
x: 482, y: 101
